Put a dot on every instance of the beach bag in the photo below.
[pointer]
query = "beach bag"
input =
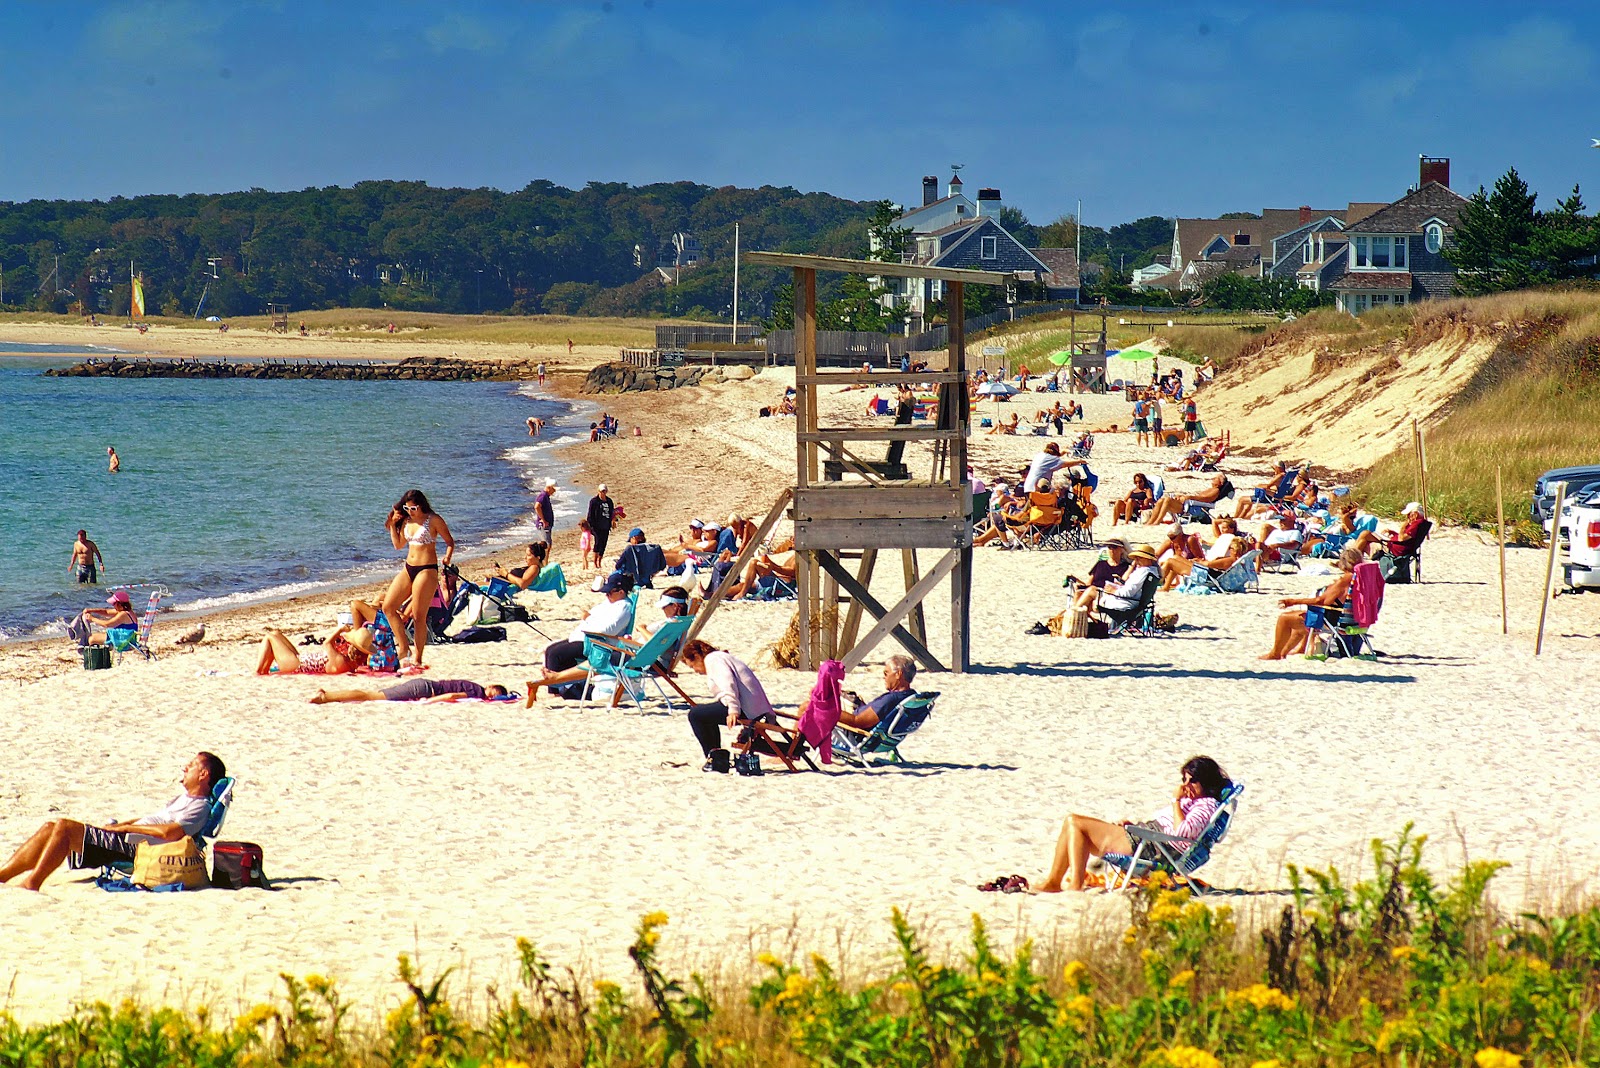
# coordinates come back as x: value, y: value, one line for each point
x: 236, y: 865
x: 169, y: 863
x: 384, y: 655
x: 480, y: 635
x: 1097, y: 628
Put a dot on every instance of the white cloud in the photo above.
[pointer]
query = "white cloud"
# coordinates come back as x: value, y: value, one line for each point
x: 458, y: 32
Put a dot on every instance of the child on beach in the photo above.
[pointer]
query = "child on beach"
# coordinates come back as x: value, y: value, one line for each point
x: 586, y: 543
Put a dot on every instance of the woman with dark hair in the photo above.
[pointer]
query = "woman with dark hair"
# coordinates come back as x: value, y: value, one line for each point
x: 736, y: 695
x: 414, y: 527
x: 1194, y: 802
x: 1129, y: 508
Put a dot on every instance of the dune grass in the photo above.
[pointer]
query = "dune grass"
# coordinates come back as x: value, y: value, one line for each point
x: 1391, y: 969
x: 1530, y: 407
x: 1032, y: 341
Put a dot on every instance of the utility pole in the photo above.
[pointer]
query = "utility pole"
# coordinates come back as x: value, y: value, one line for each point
x: 735, y: 284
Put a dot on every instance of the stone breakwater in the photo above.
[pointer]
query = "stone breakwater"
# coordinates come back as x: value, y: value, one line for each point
x: 416, y: 369
x: 623, y: 378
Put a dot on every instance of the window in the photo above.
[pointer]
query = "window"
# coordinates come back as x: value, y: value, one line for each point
x: 1401, y: 248
x: 987, y: 248
x: 1306, y: 253
x: 1435, y: 237
x: 1362, y: 252
x: 1380, y: 252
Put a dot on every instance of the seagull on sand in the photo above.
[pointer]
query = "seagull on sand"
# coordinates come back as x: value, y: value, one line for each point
x: 192, y: 637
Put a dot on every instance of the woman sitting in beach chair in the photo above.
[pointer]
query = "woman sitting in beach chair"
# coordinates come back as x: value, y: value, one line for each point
x: 1216, y: 558
x: 1200, y: 789
x: 1042, y: 511
x: 1304, y: 615
x: 1140, y: 499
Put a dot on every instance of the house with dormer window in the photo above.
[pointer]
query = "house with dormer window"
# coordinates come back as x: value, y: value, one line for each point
x: 1395, y: 256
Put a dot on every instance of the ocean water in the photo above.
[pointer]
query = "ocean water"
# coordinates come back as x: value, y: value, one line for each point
x: 232, y: 491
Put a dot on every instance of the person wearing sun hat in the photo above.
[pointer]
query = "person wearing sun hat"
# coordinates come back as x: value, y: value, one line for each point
x: 1396, y: 542
x: 1126, y: 595
x: 91, y: 626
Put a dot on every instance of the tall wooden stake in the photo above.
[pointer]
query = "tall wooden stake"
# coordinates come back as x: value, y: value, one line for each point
x: 1550, y: 565
x: 1500, y: 526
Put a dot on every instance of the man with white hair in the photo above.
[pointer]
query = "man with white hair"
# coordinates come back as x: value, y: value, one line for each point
x: 899, y: 671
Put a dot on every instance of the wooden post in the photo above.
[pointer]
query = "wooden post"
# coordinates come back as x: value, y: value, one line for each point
x: 961, y: 574
x: 1500, y: 527
x: 805, y: 363
x: 908, y: 564
x: 1550, y: 565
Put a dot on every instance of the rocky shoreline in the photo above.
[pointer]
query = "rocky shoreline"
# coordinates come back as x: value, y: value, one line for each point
x: 415, y: 368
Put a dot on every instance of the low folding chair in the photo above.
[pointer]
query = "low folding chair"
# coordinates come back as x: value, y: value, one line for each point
x: 856, y: 746
x: 1158, y: 851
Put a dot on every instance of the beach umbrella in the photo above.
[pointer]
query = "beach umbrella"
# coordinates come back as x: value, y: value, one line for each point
x: 1062, y: 358
x: 997, y: 389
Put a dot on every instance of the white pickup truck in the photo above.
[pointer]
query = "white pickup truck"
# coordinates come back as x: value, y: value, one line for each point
x: 1583, y: 557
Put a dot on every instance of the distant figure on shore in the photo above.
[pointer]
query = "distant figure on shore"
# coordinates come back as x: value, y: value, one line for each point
x: 535, y: 425
x: 83, y: 846
x: 540, y: 372
x: 86, y: 559
x: 115, y: 463
x: 569, y: 346
x: 303, y: 329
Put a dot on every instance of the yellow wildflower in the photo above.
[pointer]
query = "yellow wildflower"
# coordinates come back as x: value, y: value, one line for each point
x: 1402, y: 952
x: 767, y: 960
x: 1261, y: 996
x: 654, y: 919
x: 1164, y: 912
x: 1182, y: 979
x: 318, y: 985
x: 1496, y: 1058
x: 1190, y: 1057
x: 794, y: 987
x: 1194, y: 910
x: 1075, y: 972
x: 1273, y: 1063
x: 605, y: 988
x: 501, y: 1062
x: 651, y: 938
x: 255, y: 1017
x: 1537, y: 965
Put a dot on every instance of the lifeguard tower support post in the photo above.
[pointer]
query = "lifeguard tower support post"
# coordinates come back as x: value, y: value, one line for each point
x: 280, y: 317
x: 841, y: 520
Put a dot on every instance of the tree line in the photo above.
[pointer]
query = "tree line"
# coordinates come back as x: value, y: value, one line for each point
x: 544, y: 248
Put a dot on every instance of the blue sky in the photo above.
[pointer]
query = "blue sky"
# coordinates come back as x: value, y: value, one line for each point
x: 1150, y: 108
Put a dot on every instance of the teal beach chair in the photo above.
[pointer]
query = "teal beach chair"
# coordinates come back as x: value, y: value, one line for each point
x: 1158, y: 851
x: 632, y: 666
x: 858, y: 747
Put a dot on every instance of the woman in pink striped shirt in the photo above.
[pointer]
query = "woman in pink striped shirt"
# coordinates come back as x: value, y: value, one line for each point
x: 1194, y: 802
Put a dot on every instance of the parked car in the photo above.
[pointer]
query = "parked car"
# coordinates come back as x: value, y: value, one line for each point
x: 1578, y: 495
x: 1544, y: 491
x: 1582, y: 568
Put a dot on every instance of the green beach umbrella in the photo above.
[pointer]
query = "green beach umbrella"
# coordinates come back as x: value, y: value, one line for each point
x: 1061, y: 358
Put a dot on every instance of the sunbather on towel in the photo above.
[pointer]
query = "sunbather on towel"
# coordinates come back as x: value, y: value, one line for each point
x: 898, y: 673
x: 430, y: 691
x: 346, y: 649
x: 86, y: 846
x: 1194, y: 802
x: 1295, y: 625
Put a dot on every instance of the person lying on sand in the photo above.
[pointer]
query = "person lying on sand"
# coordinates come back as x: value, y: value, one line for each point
x: 429, y: 691
x: 674, y: 602
x: 346, y: 649
x: 87, y: 846
x: 1194, y: 802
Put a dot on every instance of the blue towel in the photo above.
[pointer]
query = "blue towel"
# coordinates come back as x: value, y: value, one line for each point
x: 552, y: 578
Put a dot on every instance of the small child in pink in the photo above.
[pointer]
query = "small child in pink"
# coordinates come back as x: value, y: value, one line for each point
x: 586, y: 543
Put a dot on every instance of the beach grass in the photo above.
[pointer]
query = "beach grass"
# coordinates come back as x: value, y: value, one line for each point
x: 1394, y: 968
x: 1032, y: 341
x: 1522, y: 413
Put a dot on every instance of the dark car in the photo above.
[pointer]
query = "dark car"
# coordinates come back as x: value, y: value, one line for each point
x: 1544, y: 491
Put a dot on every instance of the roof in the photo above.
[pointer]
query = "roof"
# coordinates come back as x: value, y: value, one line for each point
x: 1237, y: 256
x: 920, y: 208
x: 1062, y: 264
x: 1406, y: 215
x: 1195, y: 234
x: 1275, y: 222
x: 1374, y: 281
x: 1360, y: 209
x: 953, y: 227
x: 1165, y: 281
x: 1205, y: 270
x: 947, y: 251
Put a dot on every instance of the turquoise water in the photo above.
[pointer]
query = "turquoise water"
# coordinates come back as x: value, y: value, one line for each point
x: 239, y: 490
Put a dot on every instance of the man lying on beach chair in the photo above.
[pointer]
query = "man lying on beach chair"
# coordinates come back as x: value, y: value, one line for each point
x: 87, y: 846
x: 1195, y: 506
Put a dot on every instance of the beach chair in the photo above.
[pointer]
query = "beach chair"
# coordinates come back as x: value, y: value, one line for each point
x: 1350, y: 636
x: 1158, y: 851
x: 772, y: 588
x: 633, y: 665
x: 119, y: 871
x: 1138, y: 621
x: 475, y: 605
x: 138, y: 639
x: 1082, y: 449
x: 1405, y: 566
x: 858, y: 747
x: 1240, y: 578
x: 1332, y: 544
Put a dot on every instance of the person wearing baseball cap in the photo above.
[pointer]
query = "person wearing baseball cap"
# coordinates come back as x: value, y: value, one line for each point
x: 100, y: 626
x: 612, y: 617
x: 640, y: 560
x: 602, y: 510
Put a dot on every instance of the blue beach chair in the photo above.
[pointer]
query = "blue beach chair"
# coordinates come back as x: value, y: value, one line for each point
x: 1240, y: 578
x: 137, y: 639
x: 633, y: 665
x: 1158, y: 851
x: 118, y: 872
x: 858, y: 747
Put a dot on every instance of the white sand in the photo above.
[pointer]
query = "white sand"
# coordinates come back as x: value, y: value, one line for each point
x: 453, y: 830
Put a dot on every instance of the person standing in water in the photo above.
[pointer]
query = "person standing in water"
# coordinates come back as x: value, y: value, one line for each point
x: 414, y: 527
x: 86, y: 560
x: 115, y: 463
x: 540, y: 372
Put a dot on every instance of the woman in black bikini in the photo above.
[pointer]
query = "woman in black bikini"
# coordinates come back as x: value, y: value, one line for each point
x: 413, y: 526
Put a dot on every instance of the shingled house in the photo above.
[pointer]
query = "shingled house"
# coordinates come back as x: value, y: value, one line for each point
x: 1396, y: 255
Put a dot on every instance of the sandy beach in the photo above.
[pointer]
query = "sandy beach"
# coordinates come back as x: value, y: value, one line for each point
x: 449, y: 831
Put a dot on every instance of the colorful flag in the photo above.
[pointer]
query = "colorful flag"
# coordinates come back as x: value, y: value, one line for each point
x: 138, y: 299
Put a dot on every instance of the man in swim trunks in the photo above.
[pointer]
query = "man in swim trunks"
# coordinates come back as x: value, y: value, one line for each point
x: 430, y: 691
x: 85, y: 557
x: 85, y: 846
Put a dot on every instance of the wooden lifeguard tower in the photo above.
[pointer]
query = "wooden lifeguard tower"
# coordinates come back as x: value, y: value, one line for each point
x: 279, y: 314
x: 836, y: 522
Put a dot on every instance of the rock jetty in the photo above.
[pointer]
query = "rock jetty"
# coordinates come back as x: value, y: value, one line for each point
x: 416, y: 369
x: 624, y: 378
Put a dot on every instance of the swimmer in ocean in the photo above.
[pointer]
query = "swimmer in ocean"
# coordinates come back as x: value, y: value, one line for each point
x: 85, y: 557
x: 115, y: 464
x: 535, y: 425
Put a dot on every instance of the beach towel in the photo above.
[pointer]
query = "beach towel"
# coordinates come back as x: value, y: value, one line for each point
x: 1366, y: 594
x: 823, y: 709
x: 385, y: 656
x: 551, y: 579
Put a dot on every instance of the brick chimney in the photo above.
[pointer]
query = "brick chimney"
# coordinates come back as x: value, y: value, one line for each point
x: 1433, y: 169
x: 989, y: 202
x: 1305, y: 214
x: 930, y: 189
